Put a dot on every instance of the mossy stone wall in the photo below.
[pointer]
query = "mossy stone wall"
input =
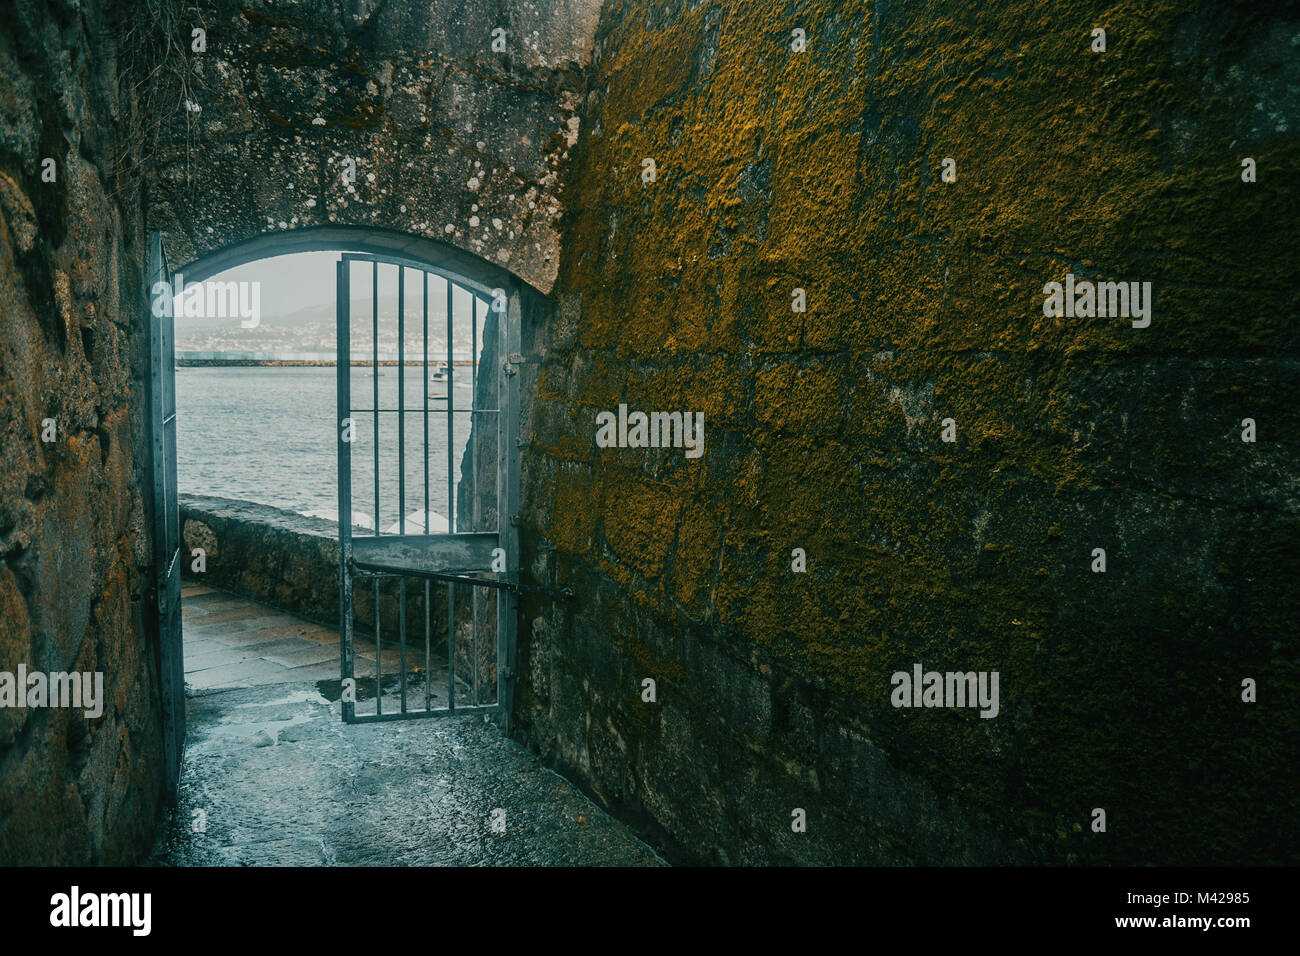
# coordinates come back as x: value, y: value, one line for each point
x: 821, y: 170
x: 75, y: 519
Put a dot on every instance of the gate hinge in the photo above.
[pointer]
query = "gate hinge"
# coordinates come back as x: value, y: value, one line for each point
x: 514, y: 521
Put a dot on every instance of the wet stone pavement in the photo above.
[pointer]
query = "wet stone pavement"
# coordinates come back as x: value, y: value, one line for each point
x: 273, y: 777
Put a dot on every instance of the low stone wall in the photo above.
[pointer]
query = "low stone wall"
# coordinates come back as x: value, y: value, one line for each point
x: 268, y: 554
x: 291, y: 562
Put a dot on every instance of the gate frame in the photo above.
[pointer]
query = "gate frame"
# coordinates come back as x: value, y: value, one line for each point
x: 509, y: 330
x: 421, y: 252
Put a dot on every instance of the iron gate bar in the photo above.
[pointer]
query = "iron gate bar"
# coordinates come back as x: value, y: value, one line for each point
x: 510, y: 325
x: 430, y: 552
x: 451, y: 416
x: 401, y: 476
x: 473, y: 472
x: 418, y: 714
x: 471, y: 286
x: 343, y: 399
x: 503, y: 520
x: 379, y: 654
x: 451, y: 508
x: 428, y: 657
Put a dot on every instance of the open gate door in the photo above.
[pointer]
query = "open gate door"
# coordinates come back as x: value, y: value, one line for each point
x: 428, y: 482
x: 165, y: 589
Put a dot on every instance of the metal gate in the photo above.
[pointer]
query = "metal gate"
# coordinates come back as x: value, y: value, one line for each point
x: 166, y: 586
x: 430, y: 595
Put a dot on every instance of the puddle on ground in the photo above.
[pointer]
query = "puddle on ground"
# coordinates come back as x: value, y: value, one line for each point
x: 332, y: 689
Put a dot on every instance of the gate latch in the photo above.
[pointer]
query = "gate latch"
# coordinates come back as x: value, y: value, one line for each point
x: 511, y: 365
x: 368, y: 569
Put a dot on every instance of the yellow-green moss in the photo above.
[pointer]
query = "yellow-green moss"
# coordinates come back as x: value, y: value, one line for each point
x: 924, y: 303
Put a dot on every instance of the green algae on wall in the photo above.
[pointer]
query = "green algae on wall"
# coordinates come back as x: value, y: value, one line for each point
x: 822, y: 171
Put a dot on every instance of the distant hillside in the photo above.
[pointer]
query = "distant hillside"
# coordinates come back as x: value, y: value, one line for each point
x: 312, y: 328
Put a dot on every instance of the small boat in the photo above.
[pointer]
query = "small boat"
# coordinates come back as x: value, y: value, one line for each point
x: 438, y: 373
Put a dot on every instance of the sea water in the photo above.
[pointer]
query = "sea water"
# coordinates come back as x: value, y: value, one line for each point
x: 267, y: 434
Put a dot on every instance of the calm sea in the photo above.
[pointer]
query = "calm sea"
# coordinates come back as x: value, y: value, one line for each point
x: 266, y: 434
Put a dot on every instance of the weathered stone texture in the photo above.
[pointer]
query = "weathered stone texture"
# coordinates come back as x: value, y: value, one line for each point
x: 74, y: 533
x: 452, y: 141
x: 821, y: 171
x: 818, y: 170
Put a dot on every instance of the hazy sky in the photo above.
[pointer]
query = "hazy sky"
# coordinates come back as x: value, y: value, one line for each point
x: 295, y: 298
x: 305, y: 280
x: 291, y: 282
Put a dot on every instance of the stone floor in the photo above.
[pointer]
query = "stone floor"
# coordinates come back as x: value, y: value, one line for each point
x: 232, y: 642
x: 272, y: 776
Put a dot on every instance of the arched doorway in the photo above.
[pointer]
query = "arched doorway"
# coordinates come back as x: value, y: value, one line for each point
x: 473, y: 550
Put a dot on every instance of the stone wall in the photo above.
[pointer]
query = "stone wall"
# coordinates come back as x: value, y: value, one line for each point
x: 288, y: 561
x: 75, y: 538
x: 277, y: 557
x: 822, y: 171
x: 452, y: 140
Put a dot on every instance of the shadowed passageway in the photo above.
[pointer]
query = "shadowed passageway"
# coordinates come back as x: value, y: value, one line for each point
x: 882, y: 445
x: 273, y: 777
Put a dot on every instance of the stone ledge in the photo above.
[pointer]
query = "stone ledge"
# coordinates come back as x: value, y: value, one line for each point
x: 291, y: 562
x: 265, y: 553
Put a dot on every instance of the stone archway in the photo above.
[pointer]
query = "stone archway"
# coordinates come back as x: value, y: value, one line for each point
x: 482, y: 492
x: 472, y: 269
x: 446, y: 121
x: 532, y: 311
